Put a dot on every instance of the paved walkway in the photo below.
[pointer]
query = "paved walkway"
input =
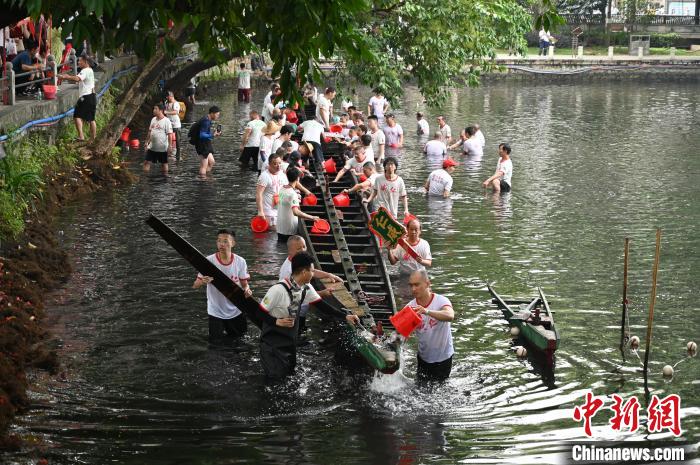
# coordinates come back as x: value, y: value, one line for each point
x: 597, y: 59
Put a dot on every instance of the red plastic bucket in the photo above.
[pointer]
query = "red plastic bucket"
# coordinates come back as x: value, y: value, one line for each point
x: 125, y: 135
x: 341, y: 200
x: 259, y: 224
x: 49, y: 91
x: 134, y: 143
x: 321, y: 226
x: 406, y: 321
x: 329, y: 166
x: 309, y: 200
x: 362, y: 178
x: 336, y: 128
x: 407, y: 218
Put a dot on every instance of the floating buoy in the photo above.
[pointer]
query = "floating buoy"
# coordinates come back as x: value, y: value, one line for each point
x: 668, y: 371
x: 514, y: 331
x: 692, y: 349
x: 521, y: 352
x: 634, y: 342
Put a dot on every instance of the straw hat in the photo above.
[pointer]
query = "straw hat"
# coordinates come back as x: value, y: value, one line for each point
x: 271, y: 128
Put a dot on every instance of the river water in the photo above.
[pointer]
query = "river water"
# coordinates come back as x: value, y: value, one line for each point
x: 593, y: 163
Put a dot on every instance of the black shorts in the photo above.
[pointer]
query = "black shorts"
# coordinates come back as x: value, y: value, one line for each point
x: 249, y: 155
x: 189, y: 91
x: 505, y: 187
x: 204, y: 148
x: 283, y: 238
x: 433, y: 372
x: 156, y: 157
x: 220, y: 329
x: 86, y: 107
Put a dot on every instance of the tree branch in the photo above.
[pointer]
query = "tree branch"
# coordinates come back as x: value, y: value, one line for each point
x: 389, y: 9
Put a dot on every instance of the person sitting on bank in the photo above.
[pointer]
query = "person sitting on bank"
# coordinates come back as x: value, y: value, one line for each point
x: 435, y: 348
x: 226, y: 321
x: 408, y: 264
x: 25, y: 62
x: 440, y: 181
x: 501, y: 180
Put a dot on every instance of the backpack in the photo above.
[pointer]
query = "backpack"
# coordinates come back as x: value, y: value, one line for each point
x: 193, y: 133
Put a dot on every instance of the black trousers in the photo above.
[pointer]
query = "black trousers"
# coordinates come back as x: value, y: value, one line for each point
x: 249, y: 156
x: 221, y: 330
x: 318, y: 152
x: 433, y: 372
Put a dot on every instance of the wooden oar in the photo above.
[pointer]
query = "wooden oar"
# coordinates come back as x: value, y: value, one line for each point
x: 652, y: 301
x: 232, y: 291
x: 623, y: 324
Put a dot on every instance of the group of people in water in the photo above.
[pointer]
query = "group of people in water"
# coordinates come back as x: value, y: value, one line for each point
x: 279, y: 143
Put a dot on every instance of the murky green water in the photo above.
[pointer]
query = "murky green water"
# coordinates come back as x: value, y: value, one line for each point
x: 593, y: 164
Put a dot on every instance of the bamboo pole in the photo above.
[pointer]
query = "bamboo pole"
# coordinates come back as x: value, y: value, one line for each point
x: 652, y: 301
x: 623, y: 325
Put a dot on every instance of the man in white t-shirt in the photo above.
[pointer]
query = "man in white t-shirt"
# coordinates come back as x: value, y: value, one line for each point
x: 356, y: 163
x: 364, y: 187
x: 440, y: 181
x: 501, y: 180
x: 268, y: 102
x: 270, y: 182
x: 243, y: 84
x: 312, y: 132
x: 393, y: 132
x: 250, y: 144
x: 377, y: 105
x: 472, y: 146
x: 378, y: 138
x: 324, y: 107
x: 160, y: 140
x: 479, y: 135
x: 87, y: 99
x: 407, y: 263
x: 226, y: 321
x: 445, y: 130
x: 172, y: 111
x: 283, y: 302
x: 286, y: 134
x: 435, y: 347
x: 288, y: 208
x: 389, y: 188
x: 436, y: 148
x: 423, y: 126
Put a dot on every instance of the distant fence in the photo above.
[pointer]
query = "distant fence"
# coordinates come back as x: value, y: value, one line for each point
x: 654, y: 19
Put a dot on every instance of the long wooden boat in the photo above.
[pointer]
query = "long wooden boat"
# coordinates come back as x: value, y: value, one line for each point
x: 534, y: 319
x: 352, y: 252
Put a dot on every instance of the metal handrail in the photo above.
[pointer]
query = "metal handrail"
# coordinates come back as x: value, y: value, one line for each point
x: 11, y: 77
x: 594, y: 18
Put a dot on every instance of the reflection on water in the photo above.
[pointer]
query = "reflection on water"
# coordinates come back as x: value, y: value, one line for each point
x: 143, y: 387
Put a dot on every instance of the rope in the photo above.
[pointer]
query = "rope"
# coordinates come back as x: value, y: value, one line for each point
x: 53, y: 119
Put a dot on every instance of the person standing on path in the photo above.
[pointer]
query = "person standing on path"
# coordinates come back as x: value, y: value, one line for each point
x: 389, y: 188
x: 204, y: 146
x: 243, y: 84
x: 250, y: 144
x: 544, y: 42
x: 435, y: 347
x: 226, y: 321
x: 87, y: 99
x: 270, y: 182
x: 160, y: 140
x: 501, y: 180
x: 172, y: 111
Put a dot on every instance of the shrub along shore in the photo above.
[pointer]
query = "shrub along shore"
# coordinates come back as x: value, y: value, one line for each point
x: 39, y: 175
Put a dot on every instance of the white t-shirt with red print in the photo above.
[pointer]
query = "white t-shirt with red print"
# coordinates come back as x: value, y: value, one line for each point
x: 218, y: 305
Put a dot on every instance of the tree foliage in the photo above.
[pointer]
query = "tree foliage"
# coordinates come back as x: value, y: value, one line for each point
x: 437, y: 42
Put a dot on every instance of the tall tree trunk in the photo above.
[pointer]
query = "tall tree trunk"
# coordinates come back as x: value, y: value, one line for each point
x: 134, y: 97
